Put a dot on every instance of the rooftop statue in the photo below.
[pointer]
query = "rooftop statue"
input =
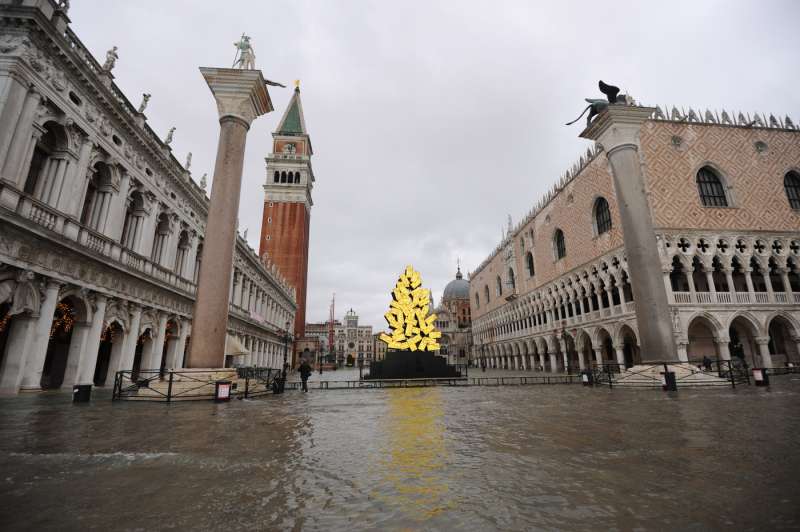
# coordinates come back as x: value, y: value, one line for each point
x: 598, y: 105
x: 245, y: 55
x: 143, y: 105
x: 111, y: 59
x: 170, y: 133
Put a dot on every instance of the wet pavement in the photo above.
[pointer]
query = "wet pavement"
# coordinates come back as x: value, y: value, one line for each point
x: 478, y: 458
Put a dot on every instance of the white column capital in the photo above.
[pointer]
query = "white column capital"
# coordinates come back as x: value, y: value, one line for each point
x: 239, y: 93
x: 618, y: 126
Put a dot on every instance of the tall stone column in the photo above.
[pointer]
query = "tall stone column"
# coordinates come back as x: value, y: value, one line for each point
x: 619, y: 350
x: 32, y: 375
x: 723, y: 347
x: 763, y: 351
x: 88, y: 356
x: 131, y: 338
x: 157, y: 344
x: 617, y: 129
x: 241, y: 97
x: 176, y: 357
x: 20, y: 339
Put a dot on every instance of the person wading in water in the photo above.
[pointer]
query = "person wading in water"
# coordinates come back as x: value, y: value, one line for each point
x: 305, y: 373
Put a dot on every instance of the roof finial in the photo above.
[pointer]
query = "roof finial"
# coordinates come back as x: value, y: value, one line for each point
x: 297, y: 84
x: 458, y: 268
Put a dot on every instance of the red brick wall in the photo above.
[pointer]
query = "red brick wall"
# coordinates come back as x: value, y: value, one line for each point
x: 287, y: 247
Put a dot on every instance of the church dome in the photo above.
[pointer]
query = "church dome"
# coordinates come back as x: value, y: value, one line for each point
x: 457, y: 288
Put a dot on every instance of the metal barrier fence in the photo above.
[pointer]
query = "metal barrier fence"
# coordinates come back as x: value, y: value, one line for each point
x: 258, y: 381
x: 190, y: 384
x: 610, y: 374
x: 518, y: 381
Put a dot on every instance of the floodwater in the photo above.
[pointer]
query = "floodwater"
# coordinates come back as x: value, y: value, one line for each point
x: 509, y: 458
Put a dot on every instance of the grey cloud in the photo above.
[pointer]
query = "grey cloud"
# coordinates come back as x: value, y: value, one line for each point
x: 462, y: 101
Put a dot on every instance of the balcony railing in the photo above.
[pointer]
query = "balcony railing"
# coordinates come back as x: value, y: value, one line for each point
x: 736, y: 298
x: 66, y: 227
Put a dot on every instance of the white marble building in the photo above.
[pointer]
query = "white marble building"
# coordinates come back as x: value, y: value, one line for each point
x: 101, y: 228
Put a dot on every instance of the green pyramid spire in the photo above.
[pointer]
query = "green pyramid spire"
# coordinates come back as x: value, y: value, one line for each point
x: 293, y: 122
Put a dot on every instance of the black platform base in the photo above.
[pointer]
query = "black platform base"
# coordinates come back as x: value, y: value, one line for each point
x: 412, y: 365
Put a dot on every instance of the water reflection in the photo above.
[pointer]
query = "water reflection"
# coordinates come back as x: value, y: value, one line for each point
x: 413, y: 467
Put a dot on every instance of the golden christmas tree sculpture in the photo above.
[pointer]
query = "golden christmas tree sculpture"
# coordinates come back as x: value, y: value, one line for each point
x: 412, y: 326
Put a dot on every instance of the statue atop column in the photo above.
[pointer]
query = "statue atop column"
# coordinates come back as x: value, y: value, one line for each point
x: 245, y: 55
x: 598, y: 105
x: 111, y: 59
x: 143, y: 105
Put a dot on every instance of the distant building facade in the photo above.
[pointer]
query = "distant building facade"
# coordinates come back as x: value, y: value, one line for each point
x: 321, y: 333
x: 724, y: 196
x: 101, y: 228
x: 378, y: 347
x: 352, y: 341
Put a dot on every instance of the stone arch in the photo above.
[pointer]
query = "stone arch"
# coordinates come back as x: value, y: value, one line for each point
x: 757, y: 327
x: 784, y: 339
x: 109, y: 350
x: 602, y: 339
x: 628, y: 338
x: 703, y: 332
x: 80, y: 298
x: 70, y: 326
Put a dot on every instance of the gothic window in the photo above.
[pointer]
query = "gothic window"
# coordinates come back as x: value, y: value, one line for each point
x: 499, y: 286
x: 477, y: 301
x: 277, y: 177
x: 709, y: 185
x: 559, y: 245
x: 602, y: 216
x: 529, y: 263
x: 511, y: 280
x: 291, y: 177
x: 297, y: 177
x: 791, y: 182
x: 486, y: 293
x: 283, y: 177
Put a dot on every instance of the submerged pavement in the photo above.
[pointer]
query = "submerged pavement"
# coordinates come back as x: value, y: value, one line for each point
x: 476, y: 458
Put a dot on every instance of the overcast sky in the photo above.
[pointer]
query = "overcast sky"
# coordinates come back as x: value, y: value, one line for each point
x: 432, y: 121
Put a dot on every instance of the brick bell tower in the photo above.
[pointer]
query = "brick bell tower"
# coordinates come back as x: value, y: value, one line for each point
x: 287, y: 204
